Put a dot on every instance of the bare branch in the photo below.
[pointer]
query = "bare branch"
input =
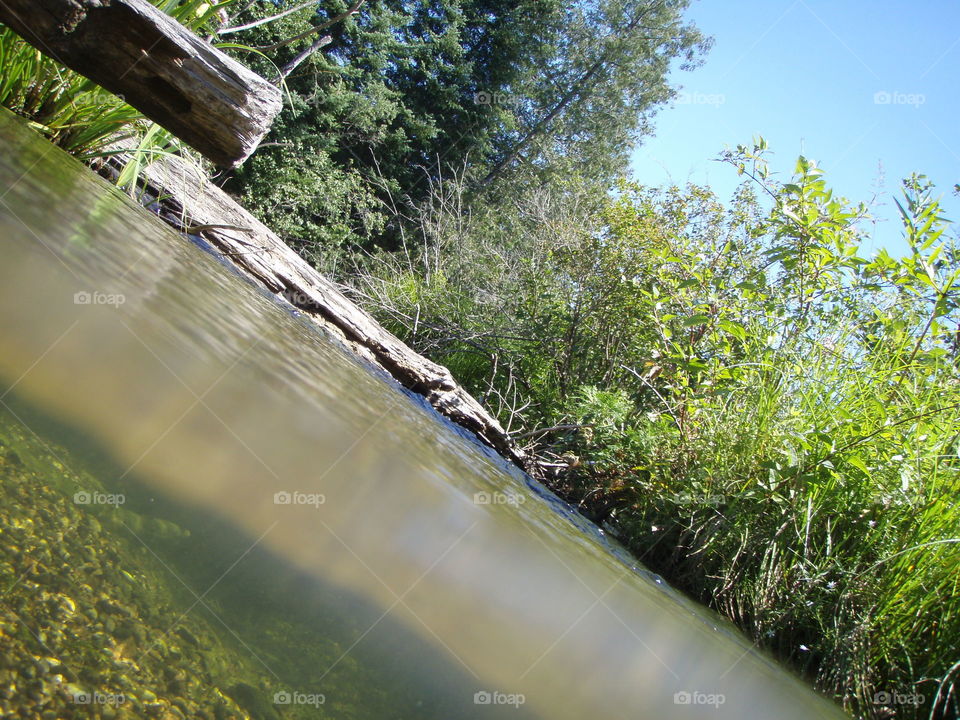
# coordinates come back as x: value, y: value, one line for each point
x: 299, y: 59
x: 264, y: 21
x: 317, y: 28
x: 544, y: 431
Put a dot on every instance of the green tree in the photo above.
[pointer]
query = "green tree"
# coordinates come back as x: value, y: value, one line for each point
x: 589, y: 95
x: 763, y: 415
x: 408, y: 92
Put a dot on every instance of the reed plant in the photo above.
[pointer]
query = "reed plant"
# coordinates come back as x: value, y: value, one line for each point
x: 80, y: 116
x: 763, y: 413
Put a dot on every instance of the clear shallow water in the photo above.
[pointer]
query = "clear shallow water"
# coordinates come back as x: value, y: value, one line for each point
x: 316, y: 531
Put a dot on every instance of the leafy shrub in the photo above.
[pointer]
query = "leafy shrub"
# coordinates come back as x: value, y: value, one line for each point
x: 760, y: 413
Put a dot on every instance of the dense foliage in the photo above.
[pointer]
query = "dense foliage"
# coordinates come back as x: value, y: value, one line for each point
x: 406, y: 92
x: 758, y: 411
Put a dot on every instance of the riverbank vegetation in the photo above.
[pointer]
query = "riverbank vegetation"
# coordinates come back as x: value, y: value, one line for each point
x: 71, y: 110
x: 763, y: 410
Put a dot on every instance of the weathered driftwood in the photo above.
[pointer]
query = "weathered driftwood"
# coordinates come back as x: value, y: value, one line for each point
x: 196, y: 205
x: 208, y: 100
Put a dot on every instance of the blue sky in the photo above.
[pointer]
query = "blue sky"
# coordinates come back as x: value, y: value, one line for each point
x: 869, y: 89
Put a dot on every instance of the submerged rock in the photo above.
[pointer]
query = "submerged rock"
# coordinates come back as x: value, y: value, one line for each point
x: 81, y: 635
x: 253, y: 701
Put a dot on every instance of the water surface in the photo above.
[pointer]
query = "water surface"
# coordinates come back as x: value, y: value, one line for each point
x: 283, y: 525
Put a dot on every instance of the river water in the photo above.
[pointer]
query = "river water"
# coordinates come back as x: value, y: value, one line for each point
x: 211, y: 509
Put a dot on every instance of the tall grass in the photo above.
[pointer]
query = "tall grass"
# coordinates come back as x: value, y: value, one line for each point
x: 72, y: 111
x: 765, y: 417
x: 844, y: 561
x: 75, y: 113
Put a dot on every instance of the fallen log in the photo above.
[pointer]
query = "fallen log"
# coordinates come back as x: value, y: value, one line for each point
x: 205, y: 98
x: 194, y: 205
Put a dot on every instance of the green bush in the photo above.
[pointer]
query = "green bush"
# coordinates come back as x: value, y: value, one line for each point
x: 760, y: 413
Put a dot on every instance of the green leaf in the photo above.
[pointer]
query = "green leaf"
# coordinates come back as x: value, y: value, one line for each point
x: 735, y: 329
x: 695, y: 320
x: 857, y: 462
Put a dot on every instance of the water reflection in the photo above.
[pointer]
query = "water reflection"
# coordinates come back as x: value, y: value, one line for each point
x: 419, y: 569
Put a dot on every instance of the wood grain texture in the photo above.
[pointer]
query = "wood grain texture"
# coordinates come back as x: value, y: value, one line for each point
x: 193, y: 203
x: 205, y: 98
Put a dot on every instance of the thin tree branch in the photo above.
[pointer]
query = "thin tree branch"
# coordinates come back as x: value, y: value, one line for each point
x: 581, y: 88
x: 299, y: 59
x: 864, y: 438
x: 543, y: 431
x: 264, y: 21
x: 666, y: 405
x: 322, y: 26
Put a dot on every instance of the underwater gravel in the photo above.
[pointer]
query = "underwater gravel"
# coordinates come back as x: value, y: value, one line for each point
x: 85, y: 632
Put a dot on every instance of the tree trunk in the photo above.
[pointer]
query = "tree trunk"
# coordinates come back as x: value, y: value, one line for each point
x: 195, y: 205
x: 578, y: 92
x: 208, y: 100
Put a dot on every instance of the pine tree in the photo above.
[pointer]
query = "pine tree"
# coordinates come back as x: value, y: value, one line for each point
x: 403, y: 91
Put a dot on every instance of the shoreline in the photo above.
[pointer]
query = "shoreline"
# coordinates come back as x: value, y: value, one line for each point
x: 187, y: 201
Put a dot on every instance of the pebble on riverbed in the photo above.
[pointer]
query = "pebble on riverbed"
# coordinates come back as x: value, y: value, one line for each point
x: 84, y: 631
